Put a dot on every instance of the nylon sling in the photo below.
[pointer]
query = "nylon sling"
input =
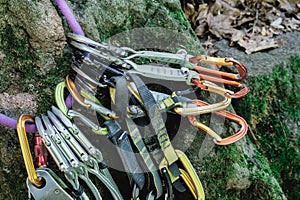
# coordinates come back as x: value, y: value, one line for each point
x: 120, y: 138
x: 121, y: 101
x: 157, y: 123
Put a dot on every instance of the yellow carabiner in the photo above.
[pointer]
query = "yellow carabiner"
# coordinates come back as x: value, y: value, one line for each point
x: 188, y: 175
x: 26, y: 150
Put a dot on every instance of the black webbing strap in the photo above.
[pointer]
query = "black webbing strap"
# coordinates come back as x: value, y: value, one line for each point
x: 122, y: 102
x: 120, y: 138
x: 158, y: 124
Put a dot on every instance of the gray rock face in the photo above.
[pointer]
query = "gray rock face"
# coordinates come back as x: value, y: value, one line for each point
x: 43, y: 28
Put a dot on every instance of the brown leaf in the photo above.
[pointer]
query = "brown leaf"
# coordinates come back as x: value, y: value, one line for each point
x: 220, y: 25
x: 203, y: 10
x: 189, y: 10
x: 257, y: 43
x: 201, y: 29
x: 244, y: 20
x: 237, y: 35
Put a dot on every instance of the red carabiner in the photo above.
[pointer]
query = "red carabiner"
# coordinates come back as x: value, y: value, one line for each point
x: 40, y: 151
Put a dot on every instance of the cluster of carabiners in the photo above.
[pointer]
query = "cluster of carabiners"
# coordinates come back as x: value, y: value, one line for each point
x: 72, y: 152
x: 132, y: 121
x: 120, y: 62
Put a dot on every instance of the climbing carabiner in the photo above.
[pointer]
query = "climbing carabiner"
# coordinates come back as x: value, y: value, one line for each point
x: 32, y: 176
x: 59, y: 97
x: 193, y: 109
x: 188, y: 175
x: 86, y: 102
x: 240, y: 67
x: 228, y: 115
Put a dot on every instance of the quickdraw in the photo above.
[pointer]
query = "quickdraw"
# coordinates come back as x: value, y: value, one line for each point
x: 188, y: 71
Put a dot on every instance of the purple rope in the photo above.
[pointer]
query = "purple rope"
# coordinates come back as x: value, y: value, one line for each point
x: 73, y: 23
x: 31, y: 128
x: 12, y: 123
x: 75, y: 26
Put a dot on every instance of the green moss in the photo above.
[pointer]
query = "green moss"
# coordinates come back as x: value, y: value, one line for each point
x: 44, y: 84
x: 18, y: 56
x: 19, y: 59
x: 272, y: 108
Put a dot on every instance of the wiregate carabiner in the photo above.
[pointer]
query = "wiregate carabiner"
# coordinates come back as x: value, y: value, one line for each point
x: 186, y: 108
x: 227, y: 115
x: 26, y: 149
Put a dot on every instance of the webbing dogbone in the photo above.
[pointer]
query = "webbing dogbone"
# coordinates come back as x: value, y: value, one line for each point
x: 121, y: 102
x: 160, y: 130
x: 157, y: 122
x: 188, y: 175
x: 120, y: 138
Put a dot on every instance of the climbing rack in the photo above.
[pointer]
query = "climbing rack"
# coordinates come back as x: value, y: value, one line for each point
x: 108, y: 80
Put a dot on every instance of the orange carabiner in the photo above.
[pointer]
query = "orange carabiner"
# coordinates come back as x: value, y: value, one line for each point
x: 90, y: 104
x: 74, y: 92
x: 243, y: 92
x: 240, y: 67
x: 228, y: 115
x: 32, y: 176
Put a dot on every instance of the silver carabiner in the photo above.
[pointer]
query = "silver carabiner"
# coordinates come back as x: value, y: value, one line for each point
x: 70, y: 140
x: 60, y: 142
x: 75, y: 131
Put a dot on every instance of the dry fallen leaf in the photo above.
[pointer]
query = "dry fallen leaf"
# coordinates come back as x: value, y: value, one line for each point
x: 257, y: 43
x: 277, y: 23
x: 250, y: 24
x: 200, y: 30
x: 220, y: 25
x: 236, y: 36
